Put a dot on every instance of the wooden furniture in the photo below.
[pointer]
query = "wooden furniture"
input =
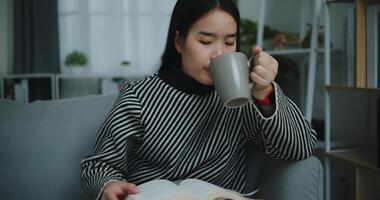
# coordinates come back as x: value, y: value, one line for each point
x: 351, y: 115
x: 366, y: 172
x: 361, y: 45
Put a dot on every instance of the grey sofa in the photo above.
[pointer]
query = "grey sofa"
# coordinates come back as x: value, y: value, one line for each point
x: 42, y: 144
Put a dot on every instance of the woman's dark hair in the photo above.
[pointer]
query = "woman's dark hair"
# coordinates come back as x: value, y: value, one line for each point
x: 185, y: 14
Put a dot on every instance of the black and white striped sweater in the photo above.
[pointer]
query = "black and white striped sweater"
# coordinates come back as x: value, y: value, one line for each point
x: 170, y: 126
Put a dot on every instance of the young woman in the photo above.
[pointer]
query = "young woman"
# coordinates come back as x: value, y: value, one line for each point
x: 172, y: 125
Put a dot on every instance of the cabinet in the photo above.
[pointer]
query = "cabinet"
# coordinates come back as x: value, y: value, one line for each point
x: 68, y: 86
x: 27, y: 87
x: 352, y: 112
x: 367, y: 175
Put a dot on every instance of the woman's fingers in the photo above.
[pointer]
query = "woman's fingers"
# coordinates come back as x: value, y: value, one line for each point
x: 265, y: 67
x: 267, y: 61
x: 118, y: 190
x: 130, y: 188
x: 256, y: 51
x: 259, y: 82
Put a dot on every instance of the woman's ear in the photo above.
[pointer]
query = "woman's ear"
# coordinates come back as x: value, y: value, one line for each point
x: 178, y: 42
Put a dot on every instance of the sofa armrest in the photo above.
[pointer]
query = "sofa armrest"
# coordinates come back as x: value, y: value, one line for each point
x: 284, y: 180
x: 42, y: 144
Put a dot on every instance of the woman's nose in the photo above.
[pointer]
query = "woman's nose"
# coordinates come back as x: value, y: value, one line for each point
x: 217, y: 51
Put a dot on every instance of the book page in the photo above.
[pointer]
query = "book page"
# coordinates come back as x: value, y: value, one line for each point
x: 202, y: 188
x: 209, y: 191
x: 161, y: 190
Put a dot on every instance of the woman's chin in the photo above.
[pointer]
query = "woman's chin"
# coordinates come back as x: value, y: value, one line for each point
x: 207, y: 81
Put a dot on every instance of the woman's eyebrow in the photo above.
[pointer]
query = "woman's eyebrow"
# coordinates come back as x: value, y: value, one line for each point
x: 204, y: 33
x: 231, y: 35
x: 214, y: 35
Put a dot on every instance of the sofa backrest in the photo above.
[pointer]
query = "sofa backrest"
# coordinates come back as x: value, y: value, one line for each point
x: 42, y: 144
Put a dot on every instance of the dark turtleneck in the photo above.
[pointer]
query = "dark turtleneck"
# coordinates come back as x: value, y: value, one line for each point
x: 181, y: 81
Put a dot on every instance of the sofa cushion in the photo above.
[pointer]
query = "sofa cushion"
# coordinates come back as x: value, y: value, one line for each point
x: 42, y: 144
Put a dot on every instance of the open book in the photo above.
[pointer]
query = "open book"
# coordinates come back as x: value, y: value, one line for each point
x: 189, y: 189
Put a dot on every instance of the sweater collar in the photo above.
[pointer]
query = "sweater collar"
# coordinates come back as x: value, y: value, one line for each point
x: 181, y: 81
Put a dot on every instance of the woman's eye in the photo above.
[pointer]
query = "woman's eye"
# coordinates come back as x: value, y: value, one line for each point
x: 205, y: 42
x: 230, y: 43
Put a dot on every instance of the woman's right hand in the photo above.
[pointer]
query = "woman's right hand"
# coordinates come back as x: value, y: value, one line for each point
x: 118, y: 190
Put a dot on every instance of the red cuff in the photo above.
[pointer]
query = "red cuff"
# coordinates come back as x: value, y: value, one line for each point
x: 265, y: 100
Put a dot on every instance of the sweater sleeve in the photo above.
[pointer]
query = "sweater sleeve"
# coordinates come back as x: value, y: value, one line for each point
x: 286, y: 134
x: 117, y: 138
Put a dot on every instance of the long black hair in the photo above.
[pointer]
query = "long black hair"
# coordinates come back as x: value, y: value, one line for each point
x: 184, y: 15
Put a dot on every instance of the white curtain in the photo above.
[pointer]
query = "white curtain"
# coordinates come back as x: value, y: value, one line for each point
x: 112, y: 31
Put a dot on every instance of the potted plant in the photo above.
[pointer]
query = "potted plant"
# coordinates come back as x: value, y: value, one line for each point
x: 125, y: 63
x: 77, y: 61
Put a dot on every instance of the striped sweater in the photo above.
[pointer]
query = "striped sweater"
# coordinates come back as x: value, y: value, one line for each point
x: 169, y: 126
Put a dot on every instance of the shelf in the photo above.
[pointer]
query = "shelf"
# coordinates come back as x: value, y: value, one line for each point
x: 288, y: 52
x: 340, y: 1
x: 359, y: 157
x: 27, y: 76
x: 297, y: 51
x: 361, y: 35
x: 359, y: 89
x: 98, y: 76
x: 372, y: 1
x: 320, y: 144
x: 27, y: 88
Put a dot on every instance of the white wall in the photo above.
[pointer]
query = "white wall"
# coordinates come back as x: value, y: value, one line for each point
x: 5, y: 36
x: 112, y: 31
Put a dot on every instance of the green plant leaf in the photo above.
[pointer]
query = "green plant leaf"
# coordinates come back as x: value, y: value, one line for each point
x: 76, y: 58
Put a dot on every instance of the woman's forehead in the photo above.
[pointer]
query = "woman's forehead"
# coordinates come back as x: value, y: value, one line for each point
x: 215, y: 22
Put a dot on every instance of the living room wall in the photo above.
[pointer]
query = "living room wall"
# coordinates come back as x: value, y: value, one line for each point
x: 5, y: 35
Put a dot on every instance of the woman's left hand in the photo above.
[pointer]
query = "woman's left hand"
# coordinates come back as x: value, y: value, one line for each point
x: 264, y: 71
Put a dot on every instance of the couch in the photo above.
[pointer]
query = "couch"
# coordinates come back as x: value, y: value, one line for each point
x: 42, y: 144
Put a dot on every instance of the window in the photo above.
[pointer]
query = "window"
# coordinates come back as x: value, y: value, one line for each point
x: 110, y: 32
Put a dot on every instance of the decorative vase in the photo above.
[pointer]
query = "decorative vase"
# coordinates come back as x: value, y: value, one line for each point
x: 77, y: 70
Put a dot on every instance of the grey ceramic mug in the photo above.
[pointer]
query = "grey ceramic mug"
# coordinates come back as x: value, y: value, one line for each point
x: 230, y: 73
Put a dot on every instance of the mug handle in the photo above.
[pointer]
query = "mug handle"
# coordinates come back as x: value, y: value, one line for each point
x: 250, y: 70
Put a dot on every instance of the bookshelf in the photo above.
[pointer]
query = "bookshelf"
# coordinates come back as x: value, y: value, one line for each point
x: 361, y: 49
x: 360, y: 89
x: 27, y: 87
x: 68, y: 86
x: 352, y: 112
x: 358, y: 157
x: 360, y: 64
x: 354, y: 118
x: 367, y: 175
x: 373, y: 43
x: 361, y: 38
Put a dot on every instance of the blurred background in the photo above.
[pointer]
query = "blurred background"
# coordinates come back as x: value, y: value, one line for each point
x: 56, y: 49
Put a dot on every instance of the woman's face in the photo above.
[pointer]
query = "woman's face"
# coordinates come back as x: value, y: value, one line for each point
x: 213, y: 34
